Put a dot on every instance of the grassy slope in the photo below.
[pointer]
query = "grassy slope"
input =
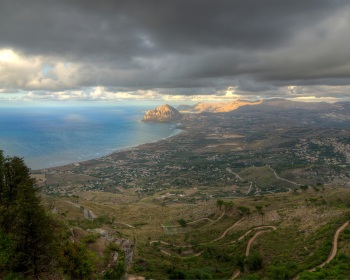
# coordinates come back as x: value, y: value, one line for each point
x: 305, y: 221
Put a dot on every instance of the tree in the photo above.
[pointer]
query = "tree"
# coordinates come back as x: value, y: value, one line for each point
x: 219, y: 203
x: 228, y: 205
x: 24, y: 226
x: 278, y: 272
x: 253, y: 262
x: 243, y: 210
x: 182, y: 222
x: 239, y: 261
x: 77, y: 261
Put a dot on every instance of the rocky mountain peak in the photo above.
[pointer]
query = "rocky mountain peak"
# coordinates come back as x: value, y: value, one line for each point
x: 163, y: 113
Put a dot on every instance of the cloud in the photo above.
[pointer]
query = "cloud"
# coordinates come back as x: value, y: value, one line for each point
x: 173, y: 49
x: 19, y: 71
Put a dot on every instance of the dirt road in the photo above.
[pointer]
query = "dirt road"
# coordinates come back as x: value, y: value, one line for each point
x: 334, y: 250
x: 227, y: 230
x: 282, y: 179
x: 251, y: 240
x: 237, y: 272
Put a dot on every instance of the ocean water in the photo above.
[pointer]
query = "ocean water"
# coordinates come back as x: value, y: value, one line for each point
x: 54, y: 136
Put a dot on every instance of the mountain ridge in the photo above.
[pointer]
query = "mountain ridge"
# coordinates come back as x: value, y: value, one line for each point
x: 217, y: 107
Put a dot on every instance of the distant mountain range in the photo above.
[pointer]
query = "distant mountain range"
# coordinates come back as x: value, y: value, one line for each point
x: 167, y: 113
x: 217, y: 107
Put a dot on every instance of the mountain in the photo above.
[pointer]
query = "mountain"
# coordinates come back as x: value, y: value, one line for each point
x: 289, y: 104
x: 164, y: 113
x: 184, y: 108
x: 217, y: 107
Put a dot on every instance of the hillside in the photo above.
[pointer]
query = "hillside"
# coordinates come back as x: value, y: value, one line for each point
x: 292, y: 232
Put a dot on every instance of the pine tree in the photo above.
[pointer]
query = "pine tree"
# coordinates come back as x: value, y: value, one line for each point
x: 25, y: 229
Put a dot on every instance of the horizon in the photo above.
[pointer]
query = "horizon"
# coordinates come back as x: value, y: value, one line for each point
x: 147, y: 103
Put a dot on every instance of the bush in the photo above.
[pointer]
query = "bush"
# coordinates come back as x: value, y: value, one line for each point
x: 182, y: 222
x: 90, y: 238
x: 77, y: 261
x: 253, y: 262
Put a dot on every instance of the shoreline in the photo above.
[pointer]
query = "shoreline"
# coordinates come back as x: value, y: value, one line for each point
x: 129, y: 148
x: 177, y: 131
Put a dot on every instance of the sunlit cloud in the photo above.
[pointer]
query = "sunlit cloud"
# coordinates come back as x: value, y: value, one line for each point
x: 102, y: 94
x: 8, y: 56
x: 25, y: 72
x: 316, y: 99
x: 34, y: 77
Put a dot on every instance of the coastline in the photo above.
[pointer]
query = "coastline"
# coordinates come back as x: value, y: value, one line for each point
x: 177, y: 132
x: 129, y: 148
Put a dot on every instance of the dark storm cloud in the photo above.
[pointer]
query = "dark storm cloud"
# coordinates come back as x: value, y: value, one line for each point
x: 123, y: 27
x: 255, y: 45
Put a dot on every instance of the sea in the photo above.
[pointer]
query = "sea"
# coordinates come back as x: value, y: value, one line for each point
x: 49, y: 136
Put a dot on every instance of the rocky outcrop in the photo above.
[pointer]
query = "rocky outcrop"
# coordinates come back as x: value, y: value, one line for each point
x: 164, y: 113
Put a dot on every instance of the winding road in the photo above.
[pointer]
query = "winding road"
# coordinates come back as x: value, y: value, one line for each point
x: 249, y: 231
x: 207, y: 219
x: 166, y: 243
x: 262, y: 230
x: 240, y: 178
x: 227, y: 230
x: 201, y: 219
x: 251, y: 240
x: 237, y: 272
x: 282, y: 179
x: 334, y: 250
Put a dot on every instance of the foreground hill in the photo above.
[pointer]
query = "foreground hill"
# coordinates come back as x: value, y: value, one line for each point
x: 164, y: 113
x: 276, y: 236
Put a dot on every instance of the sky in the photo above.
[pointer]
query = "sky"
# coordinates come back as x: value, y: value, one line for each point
x: 174, y: 50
